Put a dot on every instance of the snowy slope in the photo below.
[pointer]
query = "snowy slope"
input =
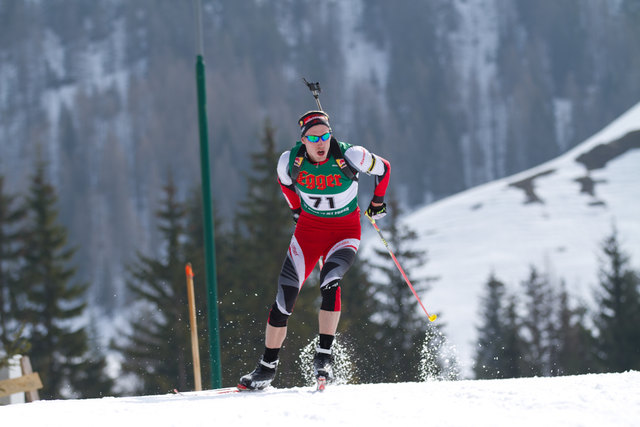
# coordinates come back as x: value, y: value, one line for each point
x: 588, y: 400
x: 493, y: 228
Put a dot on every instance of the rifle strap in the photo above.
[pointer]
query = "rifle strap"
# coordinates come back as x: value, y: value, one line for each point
x: 334, y: 150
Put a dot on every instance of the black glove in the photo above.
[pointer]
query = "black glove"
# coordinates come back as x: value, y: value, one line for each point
x: 296, y: 214
x: 376, y: 212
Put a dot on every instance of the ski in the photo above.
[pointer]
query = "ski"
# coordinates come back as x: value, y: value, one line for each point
x: 243, y: 388
x: 213, y: 392
x: 225, y: 390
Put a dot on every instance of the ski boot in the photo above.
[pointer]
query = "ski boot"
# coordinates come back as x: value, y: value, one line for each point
x: 260, y: 378
x: 323, y: 367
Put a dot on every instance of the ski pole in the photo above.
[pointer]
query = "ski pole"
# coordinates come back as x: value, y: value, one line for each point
x: 315, y: 90
x: 431, y: 317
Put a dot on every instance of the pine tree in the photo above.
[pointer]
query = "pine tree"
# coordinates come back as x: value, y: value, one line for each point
x: 264, y: 217
x: 240, y: 342
x: 52, y: 301
x: 489, y: 359
x: 537, y: 324
x: 618, y: 300
x: 89, y: 378
x: 400, y: 325
x: 157, y: 347
x: 501, y: 345
x: 11, y: 219
x: 514, y: 345
x: 550, y: 338
x: 573, y: 341
x: 260, y: 239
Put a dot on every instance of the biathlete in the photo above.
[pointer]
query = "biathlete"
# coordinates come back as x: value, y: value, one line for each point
x: 319, y: 180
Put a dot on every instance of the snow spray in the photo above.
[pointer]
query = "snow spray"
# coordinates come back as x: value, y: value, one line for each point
x: 343, y: 368
x: 438, y: 358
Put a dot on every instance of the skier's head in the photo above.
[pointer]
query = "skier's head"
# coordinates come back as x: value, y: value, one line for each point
x: 311, y: 119
x: 316, y: 134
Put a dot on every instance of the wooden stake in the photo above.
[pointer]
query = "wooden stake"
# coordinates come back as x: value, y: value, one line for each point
x: 25, y: 364
x: 29, y: 382
x: 194, y: 329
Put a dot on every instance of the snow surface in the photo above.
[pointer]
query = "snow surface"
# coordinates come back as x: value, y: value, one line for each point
x: 490, y: 229
x: 586, y: 400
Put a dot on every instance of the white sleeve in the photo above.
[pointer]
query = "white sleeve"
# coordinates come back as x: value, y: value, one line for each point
x: 283, y: 168
x: 364, y: 161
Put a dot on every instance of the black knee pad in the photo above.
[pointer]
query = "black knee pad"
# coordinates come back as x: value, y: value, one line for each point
x: 277, y: 318
x: 331, y: 297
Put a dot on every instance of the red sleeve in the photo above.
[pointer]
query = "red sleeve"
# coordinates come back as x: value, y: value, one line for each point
x: 382, y: 182
x: 293, y: 199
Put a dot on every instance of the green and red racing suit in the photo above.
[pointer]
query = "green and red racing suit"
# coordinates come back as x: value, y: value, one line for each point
x: 329, y: 222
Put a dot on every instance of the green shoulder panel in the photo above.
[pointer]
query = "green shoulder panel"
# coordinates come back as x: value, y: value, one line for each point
x: 344, y: 146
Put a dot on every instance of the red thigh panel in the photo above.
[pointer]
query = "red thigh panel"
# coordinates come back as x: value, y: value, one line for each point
x: 316, y: 236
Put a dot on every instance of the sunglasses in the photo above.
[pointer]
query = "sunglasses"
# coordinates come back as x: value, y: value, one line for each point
x: 316, y: 138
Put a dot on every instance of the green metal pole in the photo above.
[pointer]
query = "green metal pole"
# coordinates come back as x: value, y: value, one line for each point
x: 209, y: 239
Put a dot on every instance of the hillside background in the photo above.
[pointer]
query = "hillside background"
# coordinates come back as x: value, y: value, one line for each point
x: 453, y: 93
